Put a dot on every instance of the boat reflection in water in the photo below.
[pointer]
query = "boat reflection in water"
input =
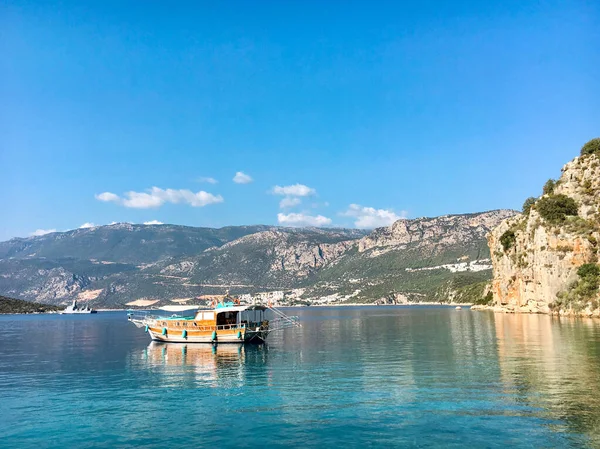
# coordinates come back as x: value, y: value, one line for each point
x: 212, y: 364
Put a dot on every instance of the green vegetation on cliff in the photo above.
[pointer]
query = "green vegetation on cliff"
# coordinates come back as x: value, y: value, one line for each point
x: 591, y: 147
x: 555, y: 208
x: 508, y: 239
x: 471, y: 288
x: 549, y: 187
x: 528, y: 204
x: 581, y: 292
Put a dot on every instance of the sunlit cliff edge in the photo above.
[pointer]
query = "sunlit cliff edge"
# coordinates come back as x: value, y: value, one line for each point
x: 545, y: 260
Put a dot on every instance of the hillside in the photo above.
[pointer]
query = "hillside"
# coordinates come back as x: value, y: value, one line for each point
x: 413, y: 259
x: 111, y: 266
x: 10, y: 305
x: 124, y: 242
x: 546, y: 259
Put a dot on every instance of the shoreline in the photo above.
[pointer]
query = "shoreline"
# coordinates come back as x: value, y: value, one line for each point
x: 412, y: 304
x: 528, y: 311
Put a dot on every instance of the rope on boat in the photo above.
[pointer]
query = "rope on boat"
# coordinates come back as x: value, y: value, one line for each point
x: 290, y: 321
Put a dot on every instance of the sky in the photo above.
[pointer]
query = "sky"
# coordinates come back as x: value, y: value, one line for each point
x: 322, y: 113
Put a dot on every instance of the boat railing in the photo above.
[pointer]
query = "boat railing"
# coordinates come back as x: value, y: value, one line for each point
x: 282, y: 321
x: 201, y: 327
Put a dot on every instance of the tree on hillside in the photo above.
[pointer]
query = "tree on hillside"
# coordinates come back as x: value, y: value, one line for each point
x: 555, y: 208
x: 591, y: 147
x: 528, y: 204
x: 549, y: 187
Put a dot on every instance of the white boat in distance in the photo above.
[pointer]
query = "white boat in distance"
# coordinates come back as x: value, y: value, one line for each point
x: 74, y: 308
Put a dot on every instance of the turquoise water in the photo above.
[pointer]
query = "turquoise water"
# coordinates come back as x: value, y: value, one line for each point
x: 369, y: 377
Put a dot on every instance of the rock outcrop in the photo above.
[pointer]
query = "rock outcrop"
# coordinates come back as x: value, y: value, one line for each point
x: 446, y: 230
x: 288, y: 251
x: 537, y: 255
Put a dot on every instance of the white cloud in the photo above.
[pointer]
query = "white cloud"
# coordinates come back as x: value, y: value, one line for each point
x: 153, y: 222
x: 87, y: 225
x: 39, y: 232
x: 303, y: 220
x: 242, y: 178
x: 369, y: 217
x: 142, y: 200
x: 108, y: 197
x: 289, y: 201
x: 292, y: 194
x: 207, y: 179
x: 294, y: 190
x: 156, y: 197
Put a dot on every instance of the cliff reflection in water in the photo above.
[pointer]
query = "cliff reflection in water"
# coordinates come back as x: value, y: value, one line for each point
x: 554, y: 364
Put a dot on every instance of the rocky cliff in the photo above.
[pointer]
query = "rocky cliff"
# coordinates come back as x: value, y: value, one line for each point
x: 444, y: 231
x: 545, y: 260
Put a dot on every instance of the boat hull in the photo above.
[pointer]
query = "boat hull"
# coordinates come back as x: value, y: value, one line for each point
x: 222, y: 336
x: 78, y: 312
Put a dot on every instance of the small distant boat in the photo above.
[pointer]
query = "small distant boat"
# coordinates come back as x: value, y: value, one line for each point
x: 227, y: 322
x: 458, y: 308
x: 75, y: 309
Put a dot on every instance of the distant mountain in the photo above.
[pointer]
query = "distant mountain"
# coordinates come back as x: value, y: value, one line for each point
x: 117, y: 264
x: 124, y: 242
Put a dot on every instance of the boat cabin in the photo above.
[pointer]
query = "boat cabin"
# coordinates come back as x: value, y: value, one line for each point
x: 229, y: 317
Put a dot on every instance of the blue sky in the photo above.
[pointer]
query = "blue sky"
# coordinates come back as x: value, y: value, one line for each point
x: 360, y: 112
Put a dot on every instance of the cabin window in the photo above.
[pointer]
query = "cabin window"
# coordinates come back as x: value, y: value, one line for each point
x: 227, y: 318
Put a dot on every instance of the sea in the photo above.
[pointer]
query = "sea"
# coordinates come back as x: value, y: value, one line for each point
x: 387, y: 376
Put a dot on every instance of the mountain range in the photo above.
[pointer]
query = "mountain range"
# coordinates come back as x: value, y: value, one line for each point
x: 119, y: 264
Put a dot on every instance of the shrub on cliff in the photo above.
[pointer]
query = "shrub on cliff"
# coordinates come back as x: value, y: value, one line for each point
x: 582, y: 292
x: 591, y: 147
x: 555, y: 208
x: 549, y: 187
x: 486, y: 300
x: 508, y: 239
x: 589, y: 271
x: 528, y: 204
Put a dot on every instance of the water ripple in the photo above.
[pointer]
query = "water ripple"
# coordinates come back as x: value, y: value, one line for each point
x: 395, y: 376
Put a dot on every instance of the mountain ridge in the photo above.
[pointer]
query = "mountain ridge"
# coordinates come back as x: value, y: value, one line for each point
x: 117, y: 264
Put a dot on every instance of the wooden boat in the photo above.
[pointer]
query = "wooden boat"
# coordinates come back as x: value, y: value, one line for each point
x: 227, y: 322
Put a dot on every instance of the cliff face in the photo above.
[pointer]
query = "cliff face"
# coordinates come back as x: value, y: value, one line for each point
x: 275, y: 253
x: 536, y: 256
